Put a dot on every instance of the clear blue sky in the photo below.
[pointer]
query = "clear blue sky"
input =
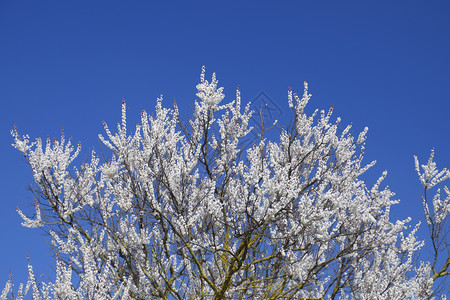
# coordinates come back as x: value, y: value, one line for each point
x: 381, y: 64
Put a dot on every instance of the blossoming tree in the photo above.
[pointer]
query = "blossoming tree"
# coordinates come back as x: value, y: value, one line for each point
x: 183, y: 212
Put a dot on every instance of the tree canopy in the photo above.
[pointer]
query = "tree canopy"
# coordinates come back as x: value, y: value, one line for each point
x: 174, y: 210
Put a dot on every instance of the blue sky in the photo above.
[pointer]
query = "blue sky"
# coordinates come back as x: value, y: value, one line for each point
x: 381, y: 64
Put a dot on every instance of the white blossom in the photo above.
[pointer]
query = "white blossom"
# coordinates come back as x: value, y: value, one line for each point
x: 183, y: 211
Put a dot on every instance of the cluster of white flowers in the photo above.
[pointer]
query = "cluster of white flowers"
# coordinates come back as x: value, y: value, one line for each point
x: 181, y: 211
